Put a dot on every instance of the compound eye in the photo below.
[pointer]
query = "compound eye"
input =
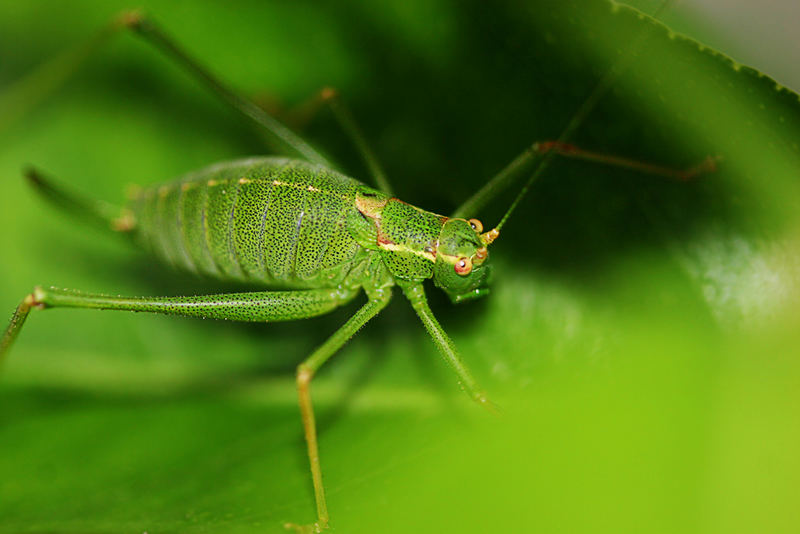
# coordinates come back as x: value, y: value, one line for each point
x: 463, y: 266
x: 476, y: 225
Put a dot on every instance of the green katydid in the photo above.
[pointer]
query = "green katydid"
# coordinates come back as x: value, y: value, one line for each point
x: 298, y: 225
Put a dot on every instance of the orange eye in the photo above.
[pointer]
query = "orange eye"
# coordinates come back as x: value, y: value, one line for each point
x: 463, y: 266
x: 476, y: 225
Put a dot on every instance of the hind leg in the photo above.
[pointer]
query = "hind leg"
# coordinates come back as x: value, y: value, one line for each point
x: 259, y: 306
x: 95, y: 211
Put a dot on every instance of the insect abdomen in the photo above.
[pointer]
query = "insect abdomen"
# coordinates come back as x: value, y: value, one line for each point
x: 274, y: 220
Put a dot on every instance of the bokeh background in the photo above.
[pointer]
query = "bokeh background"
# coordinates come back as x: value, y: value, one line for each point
x: 641, y: 335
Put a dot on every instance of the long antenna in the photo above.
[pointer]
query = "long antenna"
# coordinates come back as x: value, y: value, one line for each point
x: 588, y: 105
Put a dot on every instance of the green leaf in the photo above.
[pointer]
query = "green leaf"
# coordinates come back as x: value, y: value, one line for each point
x: 639, y: 336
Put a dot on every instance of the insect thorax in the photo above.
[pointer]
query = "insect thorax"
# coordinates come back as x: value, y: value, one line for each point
x: 416, y: 244
x: 405, y: 236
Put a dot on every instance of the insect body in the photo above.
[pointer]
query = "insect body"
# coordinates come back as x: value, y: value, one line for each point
x: 288, y: 223
x: 269, y: 220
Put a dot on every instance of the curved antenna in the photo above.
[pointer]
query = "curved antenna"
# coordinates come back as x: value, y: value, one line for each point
x: 502, y: 179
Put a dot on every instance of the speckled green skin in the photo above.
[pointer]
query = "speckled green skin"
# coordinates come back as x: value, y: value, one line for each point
x: 259, y: 306
x: 273, y: 221
x: 413, y: 230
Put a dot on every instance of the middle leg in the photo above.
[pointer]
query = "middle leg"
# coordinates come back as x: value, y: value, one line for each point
x: 416, y: 296
x: 378, y: 299
x: 329, y: 97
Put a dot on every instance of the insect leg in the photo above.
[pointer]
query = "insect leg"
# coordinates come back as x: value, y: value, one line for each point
x: 22, y: 95
x: 146, y: 28
x: 548, y: 149
x: 330, y: 96
x: 416, y: 295
x: 253, y: 307
x: 15, y: 325
x: 96, y: 211
x: 305, y: 372
x: 498, y: 183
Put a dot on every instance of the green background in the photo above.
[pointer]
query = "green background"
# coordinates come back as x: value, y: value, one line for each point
x: 640, y: 335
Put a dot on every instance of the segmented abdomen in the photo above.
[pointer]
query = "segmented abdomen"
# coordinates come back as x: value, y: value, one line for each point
x: 273, y: 220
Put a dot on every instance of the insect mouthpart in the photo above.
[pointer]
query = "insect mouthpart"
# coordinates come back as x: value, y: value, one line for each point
x: 480, y: 255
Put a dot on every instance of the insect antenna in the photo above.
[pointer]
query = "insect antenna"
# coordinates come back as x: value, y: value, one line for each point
x: 544, y: 152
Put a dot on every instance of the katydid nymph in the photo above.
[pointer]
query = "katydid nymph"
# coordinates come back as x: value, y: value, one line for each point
x: 315, y: 237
